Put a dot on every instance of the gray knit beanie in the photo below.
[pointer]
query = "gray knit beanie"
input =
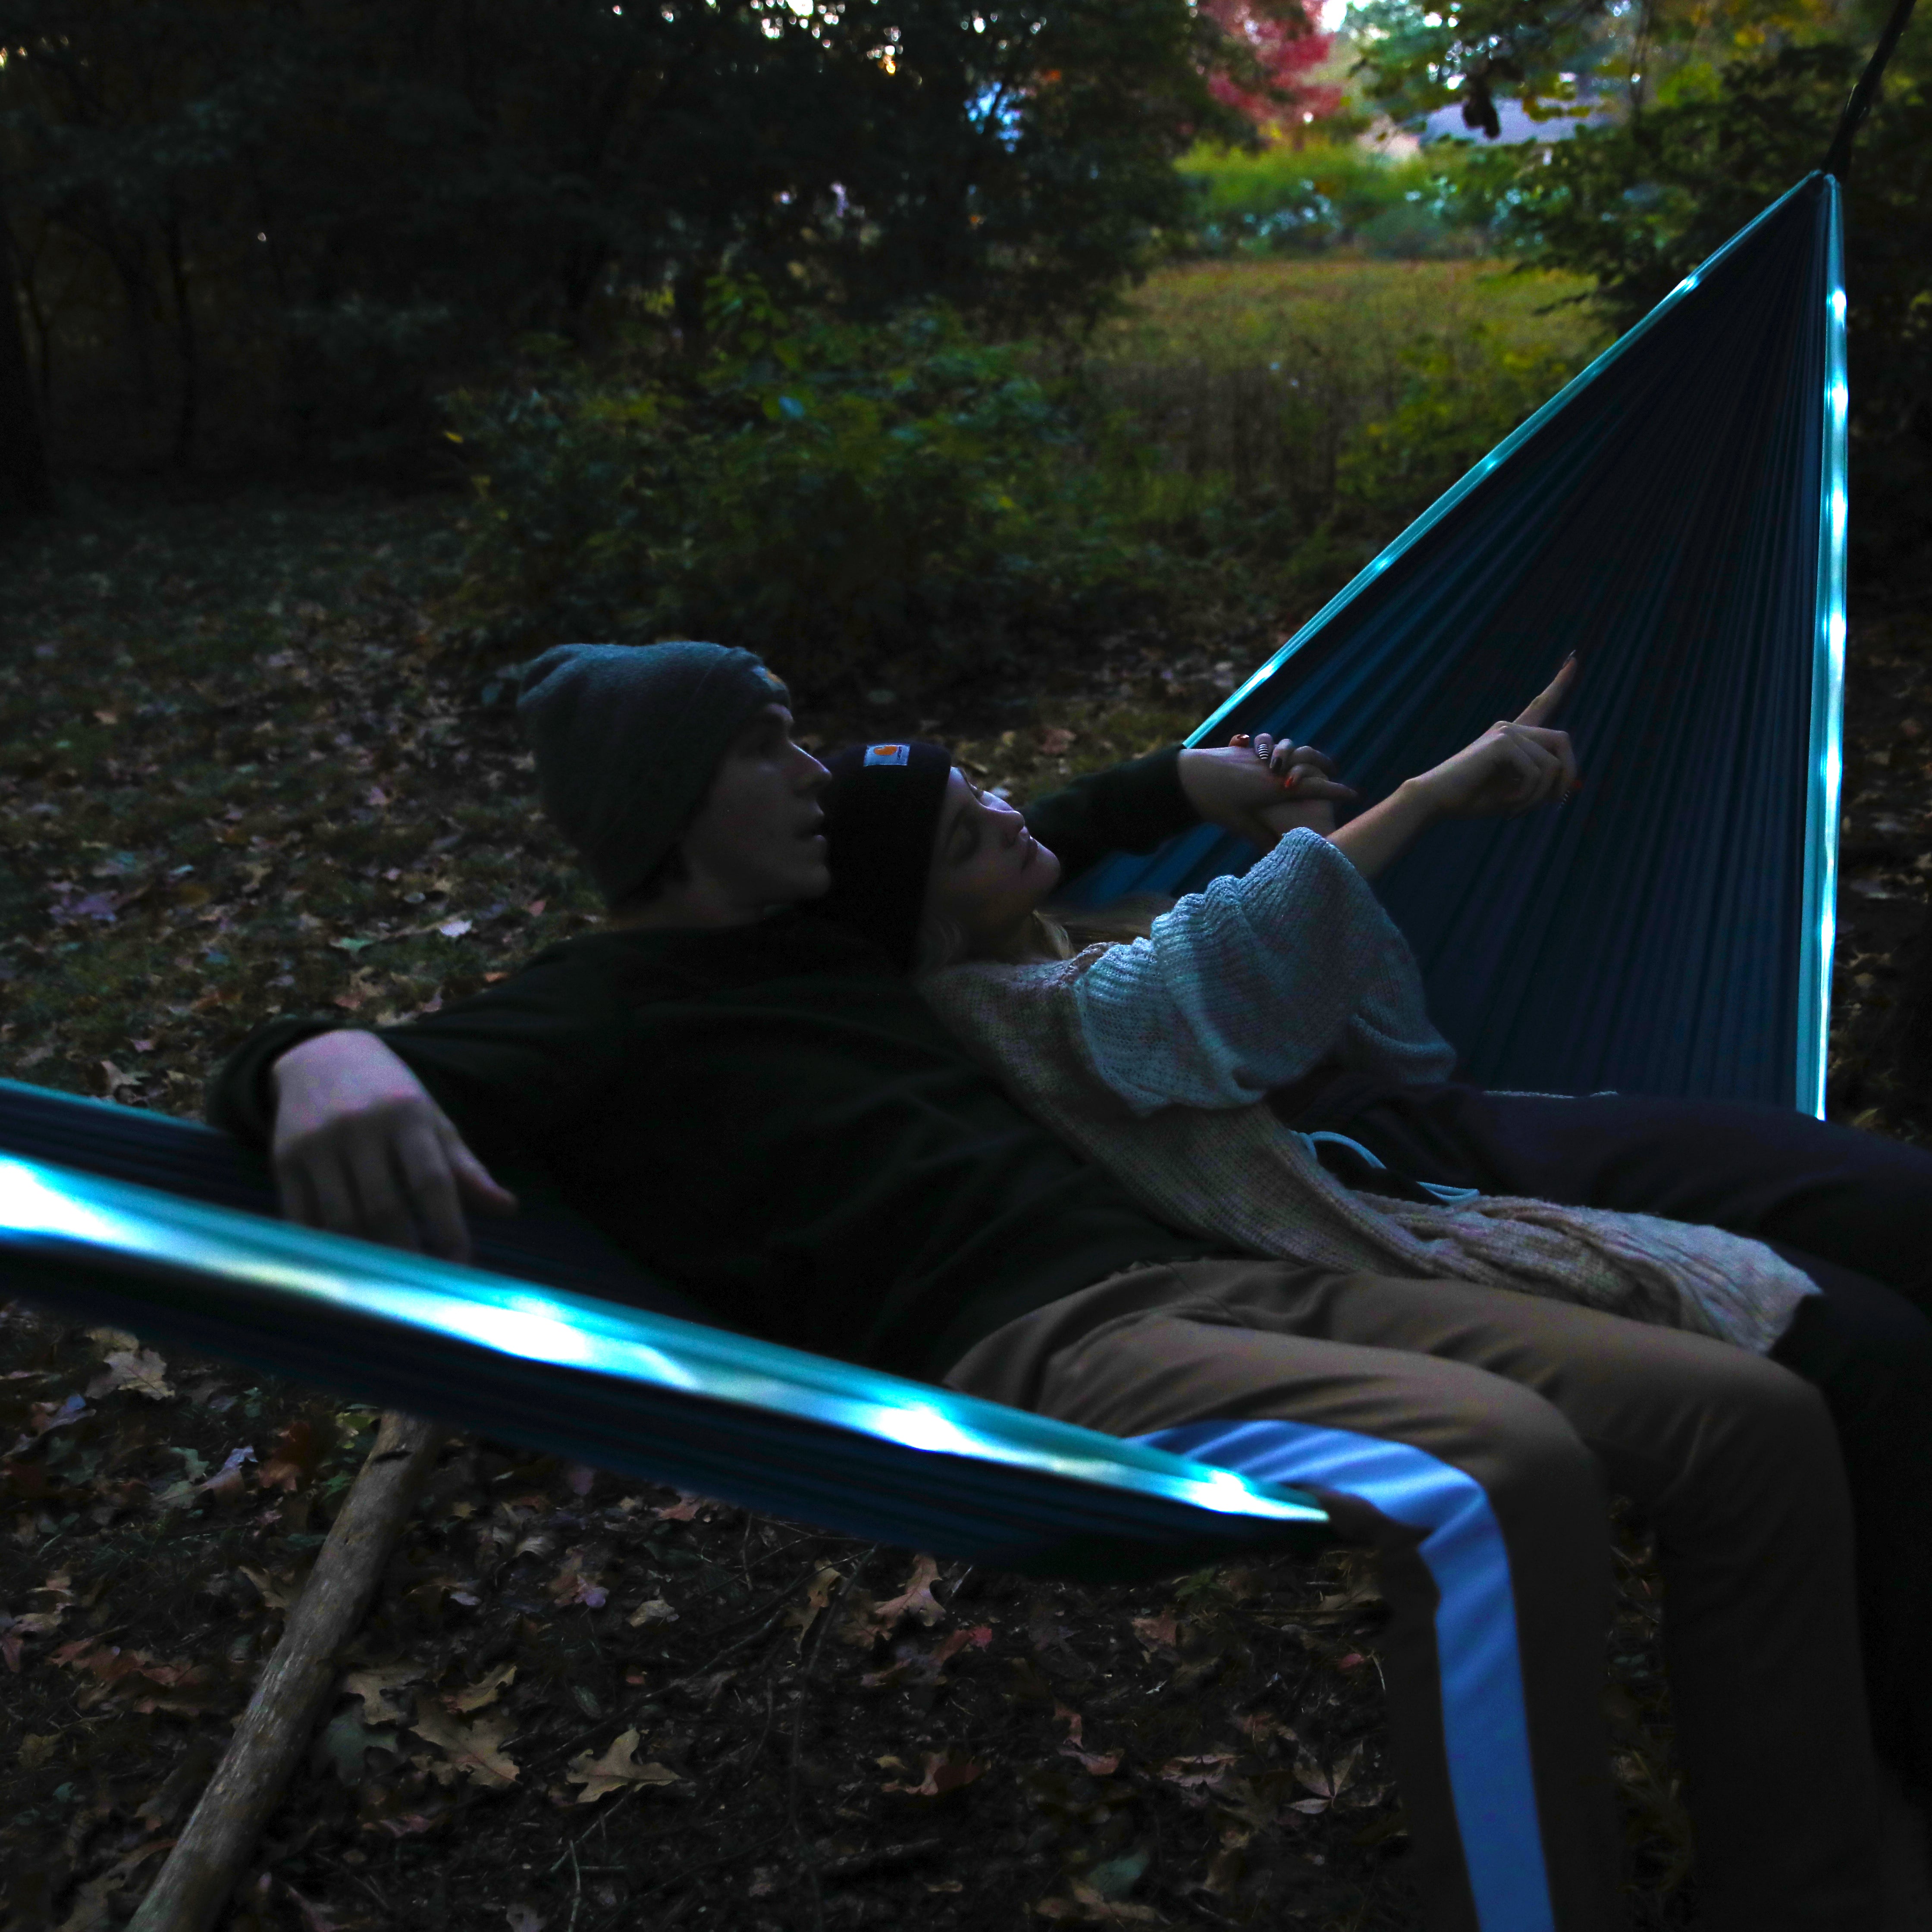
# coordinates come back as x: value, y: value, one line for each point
x: 626, y: 737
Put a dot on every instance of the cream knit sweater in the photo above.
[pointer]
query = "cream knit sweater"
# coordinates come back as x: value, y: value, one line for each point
x: 1153, y: 1059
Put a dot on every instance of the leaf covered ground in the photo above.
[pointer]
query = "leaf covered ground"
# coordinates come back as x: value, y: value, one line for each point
x: 243, y: 772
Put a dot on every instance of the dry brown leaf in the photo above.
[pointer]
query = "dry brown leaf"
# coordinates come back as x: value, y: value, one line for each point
x: 36, y: 1749
x: 944, y: 1774
x: 916, y: 1600
x: 485, y: 1690
x: 373, y: 1687
x: 111, y: 1339
x: 475, y: 1750
x: 653, y: 1610
x: 576, y: 1583
x: 1162, y: 1632
x: 139, y: 1371
x: 279, y: 1593
x: 617, y: 1768
x: 293, y: 1460
x: 801, y: 1617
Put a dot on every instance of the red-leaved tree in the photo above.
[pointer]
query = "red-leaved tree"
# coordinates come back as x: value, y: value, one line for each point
x: 1269, y: 49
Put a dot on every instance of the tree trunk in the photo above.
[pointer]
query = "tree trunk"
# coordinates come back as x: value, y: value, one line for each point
x: 208, y: 1859
x: 24, y: 486
x: 188, y: 404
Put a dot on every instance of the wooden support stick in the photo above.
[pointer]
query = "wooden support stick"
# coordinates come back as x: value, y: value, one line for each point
x: 206, y: 1863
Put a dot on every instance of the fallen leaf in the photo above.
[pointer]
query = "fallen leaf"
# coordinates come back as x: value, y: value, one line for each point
x: 1117, y: 1877
x: 228, y: 1482
x: 374, y: 1686
x: 1203, y: 1772
x: 279, y: 1593
x: 801, y: 1617
x: 314, y: 1917
x: 573, y: 1584
x: 617, y: 1768
x: 522, y: 1918
x: 944, y: 1774
x: 475, y: 1750
x: 139, y: 1371
x: 45, y: 1416
x: 652, y: 1610
x: 346, y: 1741
x: 36, y: 1749
x: 1056, y: 740
x: 1160, y: 1632
x: 109, y: 1339
x: 1327, y: 1782
x: 485, y: 1690
x: 454, y: 928
x: 916, y: 1599
x: 1095, y: 1763
x: 297, y: 1454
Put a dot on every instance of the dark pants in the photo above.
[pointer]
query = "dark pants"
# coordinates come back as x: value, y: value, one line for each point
x: 1852, y: 1210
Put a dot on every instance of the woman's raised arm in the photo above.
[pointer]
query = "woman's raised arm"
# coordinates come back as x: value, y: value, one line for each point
x: 1516, y: 765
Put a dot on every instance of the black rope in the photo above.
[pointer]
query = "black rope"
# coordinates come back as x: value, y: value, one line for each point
x: 1839, y: 160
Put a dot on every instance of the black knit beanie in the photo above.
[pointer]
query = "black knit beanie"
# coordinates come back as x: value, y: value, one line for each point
x: 881, y: 812
x: 626, y: 737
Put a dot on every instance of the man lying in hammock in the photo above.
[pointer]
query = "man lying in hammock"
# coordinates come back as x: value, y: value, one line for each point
x: 755, y: 1100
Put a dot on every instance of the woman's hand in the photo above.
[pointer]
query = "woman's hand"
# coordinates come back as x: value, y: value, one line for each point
x: 1516, y: 765
x: 360, y: 1148
x: 1259, y: 793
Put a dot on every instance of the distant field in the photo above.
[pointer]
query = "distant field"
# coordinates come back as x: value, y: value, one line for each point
x: 1300, y: 379
x: 1226, y: 314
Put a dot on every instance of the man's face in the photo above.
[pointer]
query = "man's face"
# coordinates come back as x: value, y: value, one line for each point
x: 756, y: 842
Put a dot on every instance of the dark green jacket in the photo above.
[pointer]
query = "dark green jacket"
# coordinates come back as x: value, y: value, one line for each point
x: 772, y: 1118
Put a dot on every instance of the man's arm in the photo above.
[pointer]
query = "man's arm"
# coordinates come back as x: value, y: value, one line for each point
x: 1131, y: 807
x: 371, y: 1132
x: 1138, y: 805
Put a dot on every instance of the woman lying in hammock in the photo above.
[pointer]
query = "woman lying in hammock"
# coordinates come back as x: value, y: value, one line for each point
x: 1259, y: 1068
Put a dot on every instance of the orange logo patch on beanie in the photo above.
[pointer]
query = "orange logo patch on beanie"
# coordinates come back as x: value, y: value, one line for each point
x: 887, y: 754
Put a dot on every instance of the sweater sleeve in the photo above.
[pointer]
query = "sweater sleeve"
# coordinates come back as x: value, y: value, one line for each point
x: 1128, y: 808
x: 1254, y: 981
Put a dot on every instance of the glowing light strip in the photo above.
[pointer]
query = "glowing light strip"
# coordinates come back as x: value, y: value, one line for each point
x: 44, y: 1207
x: 1818, y: 928
x: 1457, y: 490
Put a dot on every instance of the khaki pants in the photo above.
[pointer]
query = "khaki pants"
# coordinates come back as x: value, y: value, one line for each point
x: 1470, y: 1436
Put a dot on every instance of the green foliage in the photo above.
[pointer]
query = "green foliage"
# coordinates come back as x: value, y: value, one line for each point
x: 1316, y: 406
x: 1463, y: 392
x: 836, y: 494
x: 898, y: 503
x: 309, y: 218
x: 1286, y: 200
x: 1636, y: 205
x: 1558, y: 57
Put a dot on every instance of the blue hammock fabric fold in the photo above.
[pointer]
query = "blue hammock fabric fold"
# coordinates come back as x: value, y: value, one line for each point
x: 621, y: 1386
x: 1677, y: 516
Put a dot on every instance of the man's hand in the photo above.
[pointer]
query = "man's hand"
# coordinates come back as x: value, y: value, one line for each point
x: 1516, y: 765
x: 360, y: 1148
x: 1258, y: 790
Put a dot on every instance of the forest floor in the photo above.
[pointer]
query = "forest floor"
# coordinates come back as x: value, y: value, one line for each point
x: 242, y: 773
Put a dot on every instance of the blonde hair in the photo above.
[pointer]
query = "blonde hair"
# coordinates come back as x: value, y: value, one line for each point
x: 1056, y: 935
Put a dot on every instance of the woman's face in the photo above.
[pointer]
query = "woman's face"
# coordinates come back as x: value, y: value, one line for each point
x: 988, y: 871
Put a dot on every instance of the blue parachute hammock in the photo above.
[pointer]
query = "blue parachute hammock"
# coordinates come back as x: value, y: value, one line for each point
x: 1677, y: 513
x: 1677, y: 516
